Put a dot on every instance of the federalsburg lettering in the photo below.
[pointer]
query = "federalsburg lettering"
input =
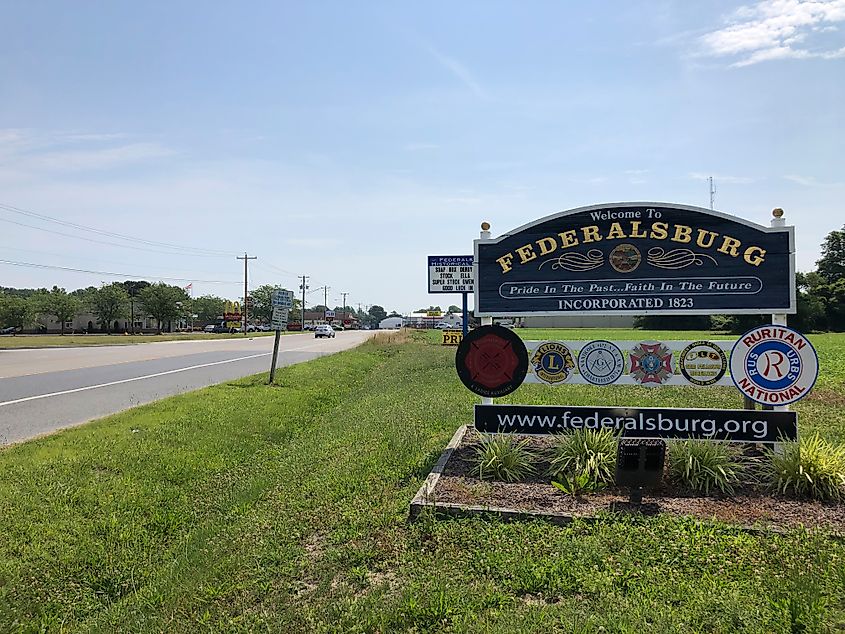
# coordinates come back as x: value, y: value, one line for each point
x: 631, y: 228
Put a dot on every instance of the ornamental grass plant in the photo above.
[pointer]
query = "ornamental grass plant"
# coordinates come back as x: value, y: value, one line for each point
x: 706, y: 465
x: 584, y: 452
x: 811, y: 467
x: 504, y: 458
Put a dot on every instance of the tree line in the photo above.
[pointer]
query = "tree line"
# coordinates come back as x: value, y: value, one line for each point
x: 20, y: 308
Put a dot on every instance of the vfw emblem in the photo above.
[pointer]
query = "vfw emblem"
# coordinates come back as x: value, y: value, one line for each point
x: 553, y: 362
x: 651, y: 363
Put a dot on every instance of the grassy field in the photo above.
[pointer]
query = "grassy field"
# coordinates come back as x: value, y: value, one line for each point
x: 73, y: 341
x: 246, y: 507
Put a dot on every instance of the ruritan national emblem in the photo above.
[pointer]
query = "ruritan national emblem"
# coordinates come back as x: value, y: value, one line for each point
x: 553, y: 362
x: 651, y: 363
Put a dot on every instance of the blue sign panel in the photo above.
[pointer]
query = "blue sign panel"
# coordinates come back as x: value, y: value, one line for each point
x: 637, y: 258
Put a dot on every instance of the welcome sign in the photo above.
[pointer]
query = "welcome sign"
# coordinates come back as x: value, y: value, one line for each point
x: 636, y: 258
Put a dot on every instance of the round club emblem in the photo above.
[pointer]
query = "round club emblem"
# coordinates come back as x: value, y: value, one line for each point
x: 774, y: 365
x: 625, y: 257
x: 703, y: 363
x: 492, y: 361
x: 651, y: 363
x: 601, y: 362
x: 553, y: 362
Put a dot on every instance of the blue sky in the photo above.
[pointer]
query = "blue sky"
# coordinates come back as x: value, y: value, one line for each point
x: 347, y: 141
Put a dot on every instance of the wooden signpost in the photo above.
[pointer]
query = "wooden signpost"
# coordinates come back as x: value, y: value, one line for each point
x: 282, y: 302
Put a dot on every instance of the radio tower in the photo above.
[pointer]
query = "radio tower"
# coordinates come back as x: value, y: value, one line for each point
x: 712, y: 192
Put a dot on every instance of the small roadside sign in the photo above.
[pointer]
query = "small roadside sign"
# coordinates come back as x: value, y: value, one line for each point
x: 280, y: 318
x: 329, y: 314
x: 282, y: 298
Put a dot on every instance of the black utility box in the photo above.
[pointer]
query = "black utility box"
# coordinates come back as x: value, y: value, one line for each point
x: 639, y: 463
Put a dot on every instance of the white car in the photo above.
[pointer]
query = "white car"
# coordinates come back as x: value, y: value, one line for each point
x: 445, y: 326
x: 323, y: 330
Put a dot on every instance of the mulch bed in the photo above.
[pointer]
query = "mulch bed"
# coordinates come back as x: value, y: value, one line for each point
x: 749, y: 507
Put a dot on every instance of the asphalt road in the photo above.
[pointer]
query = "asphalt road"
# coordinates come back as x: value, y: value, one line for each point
x: 49, y: 389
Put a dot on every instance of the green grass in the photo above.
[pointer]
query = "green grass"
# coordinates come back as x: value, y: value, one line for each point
x: 73, y: 341
x: 245, y: 507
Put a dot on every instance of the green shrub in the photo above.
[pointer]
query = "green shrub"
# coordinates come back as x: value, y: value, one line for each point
x: 503, y: 458
x: 811, y: 467
x: 590, y: 452
x: 705, y: 465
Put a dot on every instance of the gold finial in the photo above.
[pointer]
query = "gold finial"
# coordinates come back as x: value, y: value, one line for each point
x: 485, y: 226
x: 777, y: 212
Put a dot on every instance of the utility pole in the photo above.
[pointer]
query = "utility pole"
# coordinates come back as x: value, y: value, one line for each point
x: 712, y: 192
x: 344, y: 307
x: 246, y: 258
x: 303, y: 287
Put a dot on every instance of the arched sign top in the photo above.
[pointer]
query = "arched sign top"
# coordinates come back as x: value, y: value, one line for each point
x: 642, y: 205
x: 636, y: 258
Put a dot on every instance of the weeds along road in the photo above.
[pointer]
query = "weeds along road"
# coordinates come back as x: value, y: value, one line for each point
x: 48, y: 389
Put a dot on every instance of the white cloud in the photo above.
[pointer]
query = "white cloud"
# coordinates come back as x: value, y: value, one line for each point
x: 28, y: 150
x: 721, y: 178
x: 458, y: 70
x: 313, y: 243
x: 808, y: 181
x: 416, y: 147
x: 775, y: 29
x: 99, y: 158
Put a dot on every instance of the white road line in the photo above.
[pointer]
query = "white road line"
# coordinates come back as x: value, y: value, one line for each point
x: 137, y: 378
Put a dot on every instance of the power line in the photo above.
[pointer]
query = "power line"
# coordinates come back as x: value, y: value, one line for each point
x: 99, y: 260
x: 274, y: 268
x: 111, y: 274
x: 112, y: 234
x: 113, y: 244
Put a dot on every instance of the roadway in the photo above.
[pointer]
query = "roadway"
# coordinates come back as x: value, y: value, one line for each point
x: 48, y: 389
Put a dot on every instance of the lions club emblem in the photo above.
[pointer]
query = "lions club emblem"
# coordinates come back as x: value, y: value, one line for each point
x: 651, y: 363
x: 553, y: 362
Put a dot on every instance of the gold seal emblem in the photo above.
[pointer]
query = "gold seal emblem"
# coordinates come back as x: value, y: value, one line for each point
x: 625, y: 257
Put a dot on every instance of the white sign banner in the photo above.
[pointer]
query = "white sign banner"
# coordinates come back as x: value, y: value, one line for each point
x: 280, y: 318
x: 450, y: 274
x: 647, y: 363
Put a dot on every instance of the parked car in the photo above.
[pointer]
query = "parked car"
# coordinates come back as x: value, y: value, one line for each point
x: 263, y: 328
x: 338, y: 327
x: 8, y: 331
x: 323, y: 330
x: 209, y: 328
x: 445, y: 326
x: 223, y: 329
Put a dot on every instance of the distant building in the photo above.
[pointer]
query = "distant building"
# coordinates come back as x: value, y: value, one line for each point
x: 390, y: 323
x: 317, y: 317
x: 87, y: 322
